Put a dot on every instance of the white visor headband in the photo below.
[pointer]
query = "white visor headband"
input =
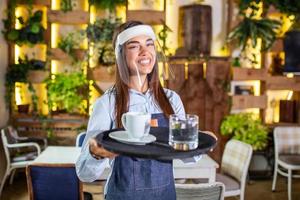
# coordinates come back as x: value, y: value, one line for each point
x: 132, y: 32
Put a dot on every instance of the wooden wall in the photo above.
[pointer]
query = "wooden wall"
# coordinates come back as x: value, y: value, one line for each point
x: 204, y: 92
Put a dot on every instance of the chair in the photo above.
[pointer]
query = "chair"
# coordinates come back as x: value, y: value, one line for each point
x: 207, y: 191
x: 234, y: 167
x: 80, y: 138
x: 16, y: 161
x: 53, y: 181
x: 287, y: 154
x: 14, y: 134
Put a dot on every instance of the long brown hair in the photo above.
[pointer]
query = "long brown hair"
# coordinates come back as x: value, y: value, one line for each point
x: 121, y: 90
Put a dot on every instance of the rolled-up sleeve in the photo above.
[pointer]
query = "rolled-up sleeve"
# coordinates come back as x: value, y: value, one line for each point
x: 88, y: 168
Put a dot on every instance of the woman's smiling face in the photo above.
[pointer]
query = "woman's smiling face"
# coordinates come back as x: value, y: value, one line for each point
x: 140, y: 52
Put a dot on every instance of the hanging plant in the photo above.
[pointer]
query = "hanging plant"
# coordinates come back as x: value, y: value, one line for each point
x: 162, y: 36
x: 251, y: 29
x: 18, y: 73
x: 31, y: 32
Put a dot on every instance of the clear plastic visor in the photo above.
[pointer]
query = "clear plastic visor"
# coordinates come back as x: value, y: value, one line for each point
x: 142, y: 63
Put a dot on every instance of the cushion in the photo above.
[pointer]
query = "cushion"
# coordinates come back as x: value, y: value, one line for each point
x: 230, y: 183
x: 24, y: 157
x: 292, y: 159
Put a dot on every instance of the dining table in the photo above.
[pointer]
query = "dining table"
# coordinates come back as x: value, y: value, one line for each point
x: 205, y: 168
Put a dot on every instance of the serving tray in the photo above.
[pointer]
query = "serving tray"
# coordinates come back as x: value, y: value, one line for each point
x: 159, y: 150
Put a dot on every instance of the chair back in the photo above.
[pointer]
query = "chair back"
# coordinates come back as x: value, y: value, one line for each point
x: 9, y: 134
x: 4, y: 164
x: 5, y: 142
x: 286, y: 140
x: 53, y: 181
x: 80, y: 138
x: 236, y: 159
x: 13, y: 132
x: 213, y: 191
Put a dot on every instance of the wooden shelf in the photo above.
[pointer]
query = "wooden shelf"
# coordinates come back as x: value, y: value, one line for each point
x: 283, y: 83
x: 101, y: 74
x: 242, y: 74
x: 249, y: 101
x: 273, y: 125
x: 181, y: 60
x: 72, y: 17
x: 37, y: 76
x: 58, y: 54
x: 152, y: 17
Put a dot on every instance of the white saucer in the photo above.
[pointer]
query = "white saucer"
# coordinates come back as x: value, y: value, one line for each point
x: 122, y: 136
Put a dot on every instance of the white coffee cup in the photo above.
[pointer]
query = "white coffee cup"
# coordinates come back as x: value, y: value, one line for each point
x: 137, y: 124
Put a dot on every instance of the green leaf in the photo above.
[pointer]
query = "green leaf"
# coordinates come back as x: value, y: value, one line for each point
x: 35, y: 28
x: 13, y: 35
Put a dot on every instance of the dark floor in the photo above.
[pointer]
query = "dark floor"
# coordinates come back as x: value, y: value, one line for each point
x: 255, y: 190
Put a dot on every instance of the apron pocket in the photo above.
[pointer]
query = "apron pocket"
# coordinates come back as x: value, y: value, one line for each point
x: 151, y: 174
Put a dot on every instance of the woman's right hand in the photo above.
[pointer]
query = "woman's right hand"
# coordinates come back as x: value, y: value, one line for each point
x: 98, y: 151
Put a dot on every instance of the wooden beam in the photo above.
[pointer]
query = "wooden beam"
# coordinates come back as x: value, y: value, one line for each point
x: 249, y: 101
x: 71, y: 17
x: 152, y: 17
x: 242, y: 74
x: 283, y: 83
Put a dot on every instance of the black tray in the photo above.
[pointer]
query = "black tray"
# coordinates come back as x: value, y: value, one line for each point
x: 159, y: 149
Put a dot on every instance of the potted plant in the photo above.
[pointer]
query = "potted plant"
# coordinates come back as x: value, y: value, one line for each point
x: 70, y: 44
x: 100, y: 38
x: 252, y: 28
x: 31, y: 32
x: 64, y: 92
x: 246, y: 128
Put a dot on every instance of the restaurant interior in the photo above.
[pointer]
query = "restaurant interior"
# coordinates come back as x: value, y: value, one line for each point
x: 234, y: 63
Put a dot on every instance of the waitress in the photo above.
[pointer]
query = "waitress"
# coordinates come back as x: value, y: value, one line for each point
x: 138, y: 89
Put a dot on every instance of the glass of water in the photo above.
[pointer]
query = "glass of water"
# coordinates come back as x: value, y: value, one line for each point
x: 183, y: 132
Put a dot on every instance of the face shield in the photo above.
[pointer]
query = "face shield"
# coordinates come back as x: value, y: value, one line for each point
x: 143, y: 61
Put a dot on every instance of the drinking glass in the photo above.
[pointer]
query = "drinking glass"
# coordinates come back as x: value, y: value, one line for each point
x: 183, y: 132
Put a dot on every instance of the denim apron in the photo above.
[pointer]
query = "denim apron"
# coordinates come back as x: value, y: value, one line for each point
x: 142, y: 179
